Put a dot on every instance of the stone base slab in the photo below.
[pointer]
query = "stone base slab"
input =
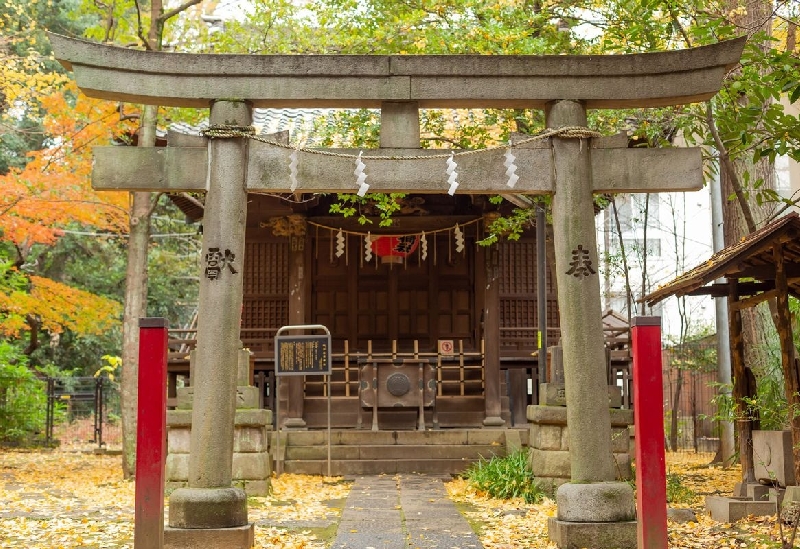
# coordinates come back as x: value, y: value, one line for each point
x: 597, y: 535
x: 241, y: 537
x: 596, y: 502
x: 724, y: 509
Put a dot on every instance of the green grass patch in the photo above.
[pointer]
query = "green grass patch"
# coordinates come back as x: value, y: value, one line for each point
x: 676, y: 491
x: 506, y: 477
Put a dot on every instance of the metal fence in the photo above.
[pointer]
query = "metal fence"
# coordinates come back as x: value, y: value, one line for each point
x: 690, y: 376
x: 72, y: 412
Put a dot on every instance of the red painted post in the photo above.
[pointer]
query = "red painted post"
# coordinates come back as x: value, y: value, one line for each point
x: 151, y: 439
x: 651, y: 478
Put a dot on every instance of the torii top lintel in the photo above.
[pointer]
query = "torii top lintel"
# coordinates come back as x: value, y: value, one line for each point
x: 433, y: 81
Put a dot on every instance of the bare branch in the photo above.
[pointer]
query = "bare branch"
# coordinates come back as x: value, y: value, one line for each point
x: 175, y: 11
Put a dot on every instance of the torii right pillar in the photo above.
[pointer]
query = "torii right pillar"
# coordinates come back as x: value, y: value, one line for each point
x: 594, y: 510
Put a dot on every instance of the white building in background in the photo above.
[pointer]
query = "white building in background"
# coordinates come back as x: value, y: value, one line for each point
x: 678, y: 237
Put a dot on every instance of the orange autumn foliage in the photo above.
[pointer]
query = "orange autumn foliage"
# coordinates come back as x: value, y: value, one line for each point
x: 54, y: 188
x: 57, y: 307
x: 51, y: 192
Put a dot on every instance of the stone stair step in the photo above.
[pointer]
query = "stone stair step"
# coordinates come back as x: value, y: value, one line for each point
x: 394, y: 451
x: 376, y: 467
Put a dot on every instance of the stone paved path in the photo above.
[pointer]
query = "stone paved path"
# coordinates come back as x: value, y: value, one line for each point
x: 402, y: 512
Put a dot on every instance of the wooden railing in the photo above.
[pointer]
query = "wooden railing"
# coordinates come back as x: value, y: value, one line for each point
x: 458, y: 374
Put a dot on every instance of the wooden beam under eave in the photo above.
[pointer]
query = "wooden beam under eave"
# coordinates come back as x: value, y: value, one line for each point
x: 754, y: 300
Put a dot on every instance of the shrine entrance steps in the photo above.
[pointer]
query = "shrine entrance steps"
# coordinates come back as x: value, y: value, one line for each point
x: 356, y: 452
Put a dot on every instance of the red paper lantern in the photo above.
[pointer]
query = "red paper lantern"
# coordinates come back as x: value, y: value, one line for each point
x: 394, y: 248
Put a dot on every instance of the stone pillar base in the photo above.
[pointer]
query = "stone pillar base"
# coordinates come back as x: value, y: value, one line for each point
x: 494, y: 422
x: 295, y: 423
x: 240, y: 537
x: 597, y: 535
x: 208, y: 508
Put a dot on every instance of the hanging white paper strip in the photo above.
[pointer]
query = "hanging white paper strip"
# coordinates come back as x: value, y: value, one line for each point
x: 459, y: 239
x: 452, y: 175
x: 339, y: 244
x: 511, y: 169
x: 423, y: 246
x: 368, y: 248
x: 361, y: 177
x: 293, y: 170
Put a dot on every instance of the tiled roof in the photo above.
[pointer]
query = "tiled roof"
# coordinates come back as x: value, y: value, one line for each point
x: 750, y: 258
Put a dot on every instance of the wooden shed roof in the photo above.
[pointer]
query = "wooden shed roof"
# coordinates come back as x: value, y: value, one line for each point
x: 752, y: 258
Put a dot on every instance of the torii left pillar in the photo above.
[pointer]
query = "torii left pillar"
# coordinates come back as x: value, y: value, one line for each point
x: 210, y: 508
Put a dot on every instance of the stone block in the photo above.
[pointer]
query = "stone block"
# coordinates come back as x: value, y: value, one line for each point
x: 184, y: 397
x: 513, y: 441
x: 250, y: 439
x: 255, y: 417
x: 179, y: 418
x: 724, y: 509
x: 597, y: 535
x: 621, y: 418
x: 549, y: 463
x: 772, y: 457
x: 614, y: 396
x: 251, y: 466
x: 552, y: 394
x: 552, y: 415
x: 624, y: 469
x: 758, y: 492
x: 246, y: 397
x: 596, y: 502
x: 241, y: 537
x: 177, y: 467
x: 178, y: 440
x: 243, y: 367
x: 546, y: 437
x: 620, y: 440
x: 485, y: 436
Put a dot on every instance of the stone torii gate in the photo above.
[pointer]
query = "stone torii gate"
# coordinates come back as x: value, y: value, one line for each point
x: 571, y: 168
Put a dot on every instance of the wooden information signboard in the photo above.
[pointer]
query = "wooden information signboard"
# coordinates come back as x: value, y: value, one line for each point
x: 302, y: 355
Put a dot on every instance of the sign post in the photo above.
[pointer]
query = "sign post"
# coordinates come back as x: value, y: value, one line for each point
x: 302, y: 355
x: 150, y: 434
x: 648, y: 395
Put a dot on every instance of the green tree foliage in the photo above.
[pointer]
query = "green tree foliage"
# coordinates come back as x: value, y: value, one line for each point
x: 23, y: 398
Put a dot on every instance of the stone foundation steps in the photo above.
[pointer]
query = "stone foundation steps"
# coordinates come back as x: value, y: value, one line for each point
x: 355, y: 452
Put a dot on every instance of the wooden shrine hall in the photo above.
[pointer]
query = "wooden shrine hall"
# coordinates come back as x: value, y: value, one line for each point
x: 414, y: 298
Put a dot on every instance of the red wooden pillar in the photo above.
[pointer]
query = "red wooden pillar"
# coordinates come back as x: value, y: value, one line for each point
x: 150, y: 434
x: 648, y: 395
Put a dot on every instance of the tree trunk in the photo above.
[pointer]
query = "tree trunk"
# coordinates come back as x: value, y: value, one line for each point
x: 135, y: 303
x: 676, y: 405
x: 756, y: 321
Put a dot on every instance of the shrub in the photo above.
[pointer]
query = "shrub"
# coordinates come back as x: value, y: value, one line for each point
x: 506, y: 477
x: 23, y: 399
